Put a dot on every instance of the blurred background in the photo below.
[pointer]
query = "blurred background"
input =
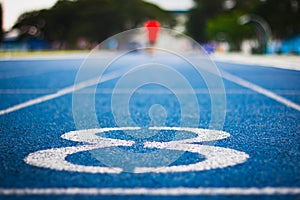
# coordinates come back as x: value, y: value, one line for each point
x: 248, y: 26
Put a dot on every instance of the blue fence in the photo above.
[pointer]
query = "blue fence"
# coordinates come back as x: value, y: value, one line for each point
x: 289, y: 46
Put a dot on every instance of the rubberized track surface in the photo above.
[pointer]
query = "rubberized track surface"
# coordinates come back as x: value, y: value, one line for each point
x: 262, y: 118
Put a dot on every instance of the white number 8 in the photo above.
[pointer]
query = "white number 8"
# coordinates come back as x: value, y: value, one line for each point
x: 215, y: 157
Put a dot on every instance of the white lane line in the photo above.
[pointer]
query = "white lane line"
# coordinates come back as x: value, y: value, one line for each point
x: 140, y: 91
x: 281, y: 62
x: 144, y: 91
x: 19, y: 74
x: 40, y: 57
x: 94, y: 81
x: 155, y: 191
x: 260, y: 90
x: 60, y: 93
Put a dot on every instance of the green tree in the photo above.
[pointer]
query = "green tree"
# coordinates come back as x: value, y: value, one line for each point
x: 282, y: 15
x: 225, y: 27
x: 205, y: 11
x: 198, y: 16
x: 67, y: 21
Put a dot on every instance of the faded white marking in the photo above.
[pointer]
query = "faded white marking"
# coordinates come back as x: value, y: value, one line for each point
x: 275, y: 61
x: 10, y: 56
x: 177, y: 191
x: 216, y: 157
x: 28, y: 91
x: 95, y: 81
x: 60, y: 93
x: 260, y: 90
x: 145, y: 91
x: 22, y: 74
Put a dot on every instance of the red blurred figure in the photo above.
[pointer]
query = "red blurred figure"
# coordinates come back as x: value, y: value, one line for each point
x: 153, y: 28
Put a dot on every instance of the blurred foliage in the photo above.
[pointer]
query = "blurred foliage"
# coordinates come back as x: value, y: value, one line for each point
x: 209, y: 20
x: 94, y: 20
x: 283, y: 17
x: 198, y: 16
x: 225, y: 27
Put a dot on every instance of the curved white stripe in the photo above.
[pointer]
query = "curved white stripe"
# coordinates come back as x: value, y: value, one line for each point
x: 178, y: 191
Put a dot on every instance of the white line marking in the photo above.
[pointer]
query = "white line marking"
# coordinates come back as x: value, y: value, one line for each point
x: 22, y: 74
x: 260, y: 90
x: 111, y: 76
x: 28, y: 91
x: 60, y: 93
x: 281, y: 62
x: 42, y: 57
x: 144, y: 91
x: 177, y: 191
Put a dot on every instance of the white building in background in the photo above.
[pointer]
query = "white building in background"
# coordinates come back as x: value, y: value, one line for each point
x: 181, y: 17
